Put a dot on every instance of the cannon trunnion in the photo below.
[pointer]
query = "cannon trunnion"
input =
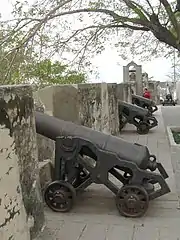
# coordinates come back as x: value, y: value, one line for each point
x: 84, y: 156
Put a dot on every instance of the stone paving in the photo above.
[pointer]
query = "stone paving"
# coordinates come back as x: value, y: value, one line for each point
x: 95, y: 215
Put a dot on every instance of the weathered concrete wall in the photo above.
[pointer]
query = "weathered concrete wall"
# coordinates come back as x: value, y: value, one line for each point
x: 175, y: 153
x: 13, y: 218
x: 178, y: 92
x: 46, y: 96
x: 20, y: 197
x: 113, y: 98
x: 91, y: 105
x: 46, y: 148
x: 153, y: 88
x: 45, y: 145
x: 127, y: 88
x: 98, y: 107
x: 120, y: 91
x: 65, y: 103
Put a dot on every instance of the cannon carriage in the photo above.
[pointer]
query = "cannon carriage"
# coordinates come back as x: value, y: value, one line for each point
x: 139, y: 117
x: 144, y: 103
x: 84, y: 156
x: 169, y: 101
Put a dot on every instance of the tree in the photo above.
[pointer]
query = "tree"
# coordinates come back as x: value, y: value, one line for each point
x: 47, y: 72
x: 11, y: 62
x: 22, y: 65
x: 153, y: 22
x: 174, y: 74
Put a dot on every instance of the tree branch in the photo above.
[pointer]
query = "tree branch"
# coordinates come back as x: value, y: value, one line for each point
x: 151, y: 7
x: 115, y: 16
x: 172, y: 17
x: 132, y: 5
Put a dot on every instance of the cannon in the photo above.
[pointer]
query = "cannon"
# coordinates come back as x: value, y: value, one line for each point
x: 169, y: 100
x: 84, y: 156
x: 140, y: 117
x: 144, y: 103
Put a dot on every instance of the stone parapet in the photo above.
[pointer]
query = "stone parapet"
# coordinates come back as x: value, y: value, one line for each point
x: 91, y: 105
x: 21, y: 205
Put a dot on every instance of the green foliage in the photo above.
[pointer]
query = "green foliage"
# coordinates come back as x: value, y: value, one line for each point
x: 176, y: 136
x: 10, y: 66
x: 48, y: 72
x: 20, y: 65
x: 171, y: 28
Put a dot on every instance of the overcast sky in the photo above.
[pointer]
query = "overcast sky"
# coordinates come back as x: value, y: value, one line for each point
x: 110, y: 65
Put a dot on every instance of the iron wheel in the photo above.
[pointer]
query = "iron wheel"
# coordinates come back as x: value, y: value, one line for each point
x: 59, y: 196
x: 132, y: 201
x: 142, y: 128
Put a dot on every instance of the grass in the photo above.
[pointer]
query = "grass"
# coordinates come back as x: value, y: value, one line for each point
x: 176, y: 136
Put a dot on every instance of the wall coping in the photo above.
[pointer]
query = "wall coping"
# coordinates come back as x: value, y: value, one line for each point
x: 170, y: 135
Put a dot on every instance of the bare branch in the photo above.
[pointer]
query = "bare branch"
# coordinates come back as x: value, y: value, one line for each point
x: 53, y: 18
x: 10, y: 66
x: 151, y: 7
x: 106, y: 26
x: 132, y: 5
x: 115, y: 16
x: 159, y: 8
x: 141, y: 7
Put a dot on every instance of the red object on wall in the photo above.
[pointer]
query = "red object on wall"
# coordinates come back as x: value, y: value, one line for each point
x: 147, y: 94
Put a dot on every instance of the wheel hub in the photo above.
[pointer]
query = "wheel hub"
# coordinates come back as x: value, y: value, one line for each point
x: 131, y: 201
x: 143, y: 127
x: 59, y: 197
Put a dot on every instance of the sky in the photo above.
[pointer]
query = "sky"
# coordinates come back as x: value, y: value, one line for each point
x: 110, y: 65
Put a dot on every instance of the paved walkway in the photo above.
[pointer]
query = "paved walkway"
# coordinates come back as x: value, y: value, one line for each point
x: 171, y: 115
x: 95, y: 215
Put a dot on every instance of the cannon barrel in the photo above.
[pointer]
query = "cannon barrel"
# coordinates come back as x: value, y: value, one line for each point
x: 52, y: 127
x: 122, y: 104
x: 148, y: 101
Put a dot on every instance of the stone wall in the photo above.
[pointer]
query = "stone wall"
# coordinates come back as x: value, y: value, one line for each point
x: 45, y: 145
x: 127, y: 88
x: 154, y: 89
x: 178, y: 92
x: 21, y: 205
x: 98, y: 107
x: 65, y: 103
x: 91, y: 105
